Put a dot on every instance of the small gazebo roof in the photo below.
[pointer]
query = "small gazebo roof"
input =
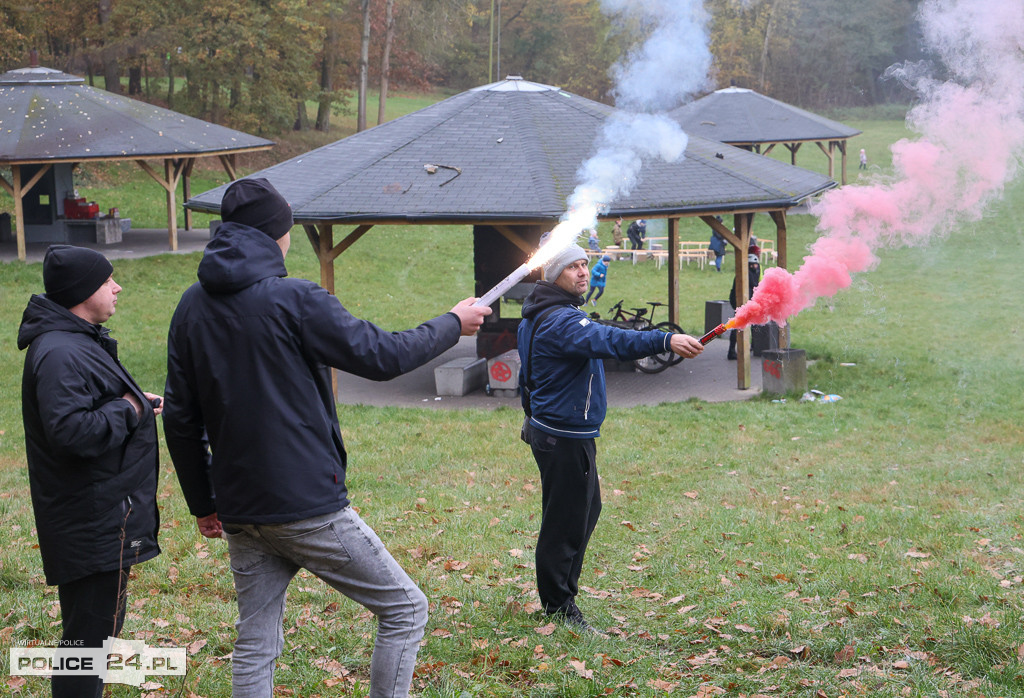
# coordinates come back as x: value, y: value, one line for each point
x: 509, y: 152
x: 50, y: 116
x: 740, y: 116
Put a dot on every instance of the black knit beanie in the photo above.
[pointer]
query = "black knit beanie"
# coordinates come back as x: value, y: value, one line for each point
x: 72, y: 274
x: 255, y: 203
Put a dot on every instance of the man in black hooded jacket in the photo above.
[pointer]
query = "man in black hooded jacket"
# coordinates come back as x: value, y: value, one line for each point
x: 90, y: 437
x: 248, y: 363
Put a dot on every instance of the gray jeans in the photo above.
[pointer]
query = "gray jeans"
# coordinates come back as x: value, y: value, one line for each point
x: 343, y: 551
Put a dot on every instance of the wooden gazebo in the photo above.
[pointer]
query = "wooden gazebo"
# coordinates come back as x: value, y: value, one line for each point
x: 749, y: 120
x: 503, y: 158
x: 50, y: 121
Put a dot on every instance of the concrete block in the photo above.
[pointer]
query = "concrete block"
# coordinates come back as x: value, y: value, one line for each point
x: 784, y: 371
x: 108, y: 231
x: 503, y: 371
x: 716, y: 313
x: 460, y: 376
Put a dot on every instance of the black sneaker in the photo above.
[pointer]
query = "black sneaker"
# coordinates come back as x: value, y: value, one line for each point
x: 572, y: 617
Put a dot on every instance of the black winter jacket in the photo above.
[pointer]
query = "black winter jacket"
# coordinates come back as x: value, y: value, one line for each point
x: 247, y: 367
x: 92, y: 462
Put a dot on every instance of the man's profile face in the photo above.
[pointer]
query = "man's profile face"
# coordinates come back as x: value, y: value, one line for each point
x: 574, y: 278
x: 100, y: 306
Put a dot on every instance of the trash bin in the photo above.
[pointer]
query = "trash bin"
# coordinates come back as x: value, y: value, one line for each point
x: 716, y: 313
x: 5, y: 228
x: 784, y: 371
x: 764, y: 337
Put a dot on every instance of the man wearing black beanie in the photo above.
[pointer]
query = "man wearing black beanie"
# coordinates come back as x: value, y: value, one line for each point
x: 249, y: 354
x: 91, y: 443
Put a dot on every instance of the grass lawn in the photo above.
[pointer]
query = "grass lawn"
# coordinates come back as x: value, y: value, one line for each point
x: 867, y: 546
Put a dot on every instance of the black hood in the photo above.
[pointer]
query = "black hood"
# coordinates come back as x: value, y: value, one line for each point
x: 237, y: 257
x: 545, y: 295
x: 43, y: 315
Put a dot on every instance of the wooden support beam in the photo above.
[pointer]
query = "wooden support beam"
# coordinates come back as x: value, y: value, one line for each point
x: 769, y: 149
x: 831, y: 157
x: 515, y: 238
x: 742, y: 224
x: 172, y: 172
x: 186, y: 190
x: 228, y: 163
x: 673, y: 270
x: 17, y: 190
x: 841, y: 145
x: 779, y: 217
x: 793, y: 147
x: 722, y: 230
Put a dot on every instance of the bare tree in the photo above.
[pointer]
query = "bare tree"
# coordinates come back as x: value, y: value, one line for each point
x: 111, y: 70
x: 323, y: 112
x: 385, y: 58
x: 364, y: 66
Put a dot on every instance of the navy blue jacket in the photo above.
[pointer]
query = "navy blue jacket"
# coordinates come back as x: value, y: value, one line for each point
x: 247, y: 367
x: 568, y: 396
x: 92, y: 462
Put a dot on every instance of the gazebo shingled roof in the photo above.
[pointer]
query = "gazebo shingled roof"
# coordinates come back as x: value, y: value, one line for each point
x: 47, y: 116
x: 505, y: 157
x: 747, y: 119
x: 509, y: 152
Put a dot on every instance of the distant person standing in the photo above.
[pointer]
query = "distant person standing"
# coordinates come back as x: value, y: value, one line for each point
x: 617, y: 232
x: 863, y: 160
x: 717, y: 245
x: 592, y: 241
x: 598, y: 278
x: 91, y: 446
x: 637, y: 233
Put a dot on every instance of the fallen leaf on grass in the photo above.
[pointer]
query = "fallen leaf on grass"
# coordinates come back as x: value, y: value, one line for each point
x: 743, y: 627
x: 800, y: 652
x: 859, y: 557
x: 194, y: 647
x: 916, y: 554
x: 690, y: 495
x: 545, y: 629
x: 581, y: 669
x: 440, y: 632
x: 846, y: 654
x: 662, y: 685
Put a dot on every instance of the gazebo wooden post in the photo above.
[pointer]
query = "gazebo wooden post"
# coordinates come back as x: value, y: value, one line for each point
x: 673, y: 270
x: 741, y: 223
x: 170, y: 189
x: 17, y: 192
x: 793, y: 147
x: 782, y: 260
x: 841, y: 145
x: 186, y: 190
x: 19, y: 212
x: 830, y: 154
x: 324, y: 255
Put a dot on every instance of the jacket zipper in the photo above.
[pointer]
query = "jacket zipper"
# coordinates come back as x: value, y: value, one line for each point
x: 590, y: 389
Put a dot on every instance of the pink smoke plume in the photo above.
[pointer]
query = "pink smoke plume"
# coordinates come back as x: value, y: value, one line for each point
x: 971, y: 136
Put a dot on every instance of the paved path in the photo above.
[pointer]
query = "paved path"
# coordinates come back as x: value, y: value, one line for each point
x: 709, y: 377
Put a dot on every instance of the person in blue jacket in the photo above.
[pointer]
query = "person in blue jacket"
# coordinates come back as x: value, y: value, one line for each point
x: 717, y: 246
x: 562, y: 385
x: 598, y: 279
x: 248, y: 372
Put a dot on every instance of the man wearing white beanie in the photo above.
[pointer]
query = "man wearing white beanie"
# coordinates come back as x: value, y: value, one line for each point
x: 561, y: 353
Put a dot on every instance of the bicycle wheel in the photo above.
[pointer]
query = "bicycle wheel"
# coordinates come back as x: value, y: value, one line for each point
x: 670, y: 357
x: 655, y: 363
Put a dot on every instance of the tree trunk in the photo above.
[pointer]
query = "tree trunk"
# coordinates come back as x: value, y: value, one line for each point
x: 364, y: 66
x: 764, y: 46
x: 111, y: 71
x: 301, y: 116
x: 323, y: 112
x: 385, y: 59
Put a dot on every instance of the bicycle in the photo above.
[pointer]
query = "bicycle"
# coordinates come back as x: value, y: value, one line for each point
x: 639, y: 320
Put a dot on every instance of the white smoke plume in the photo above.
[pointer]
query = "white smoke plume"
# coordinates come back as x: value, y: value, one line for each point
x: 666, y: 69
